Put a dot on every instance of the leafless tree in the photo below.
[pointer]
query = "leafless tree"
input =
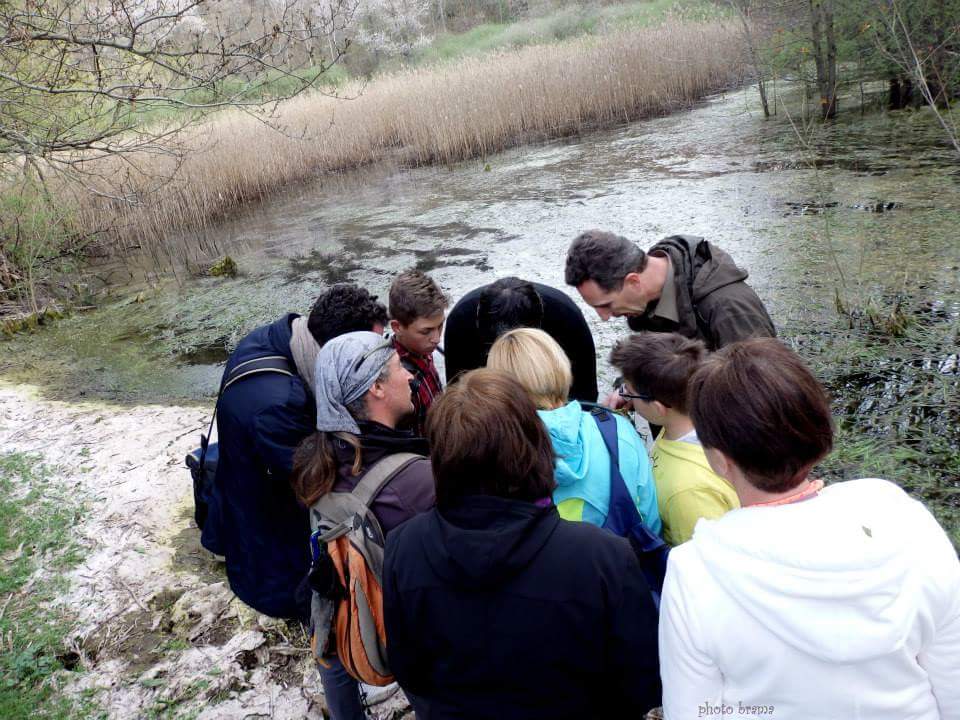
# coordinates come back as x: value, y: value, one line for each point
x: 922, y: 65
x: 743, y: 9
x: 84, y: 79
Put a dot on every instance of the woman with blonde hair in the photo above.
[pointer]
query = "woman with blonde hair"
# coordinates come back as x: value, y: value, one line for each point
x: 582, y: 468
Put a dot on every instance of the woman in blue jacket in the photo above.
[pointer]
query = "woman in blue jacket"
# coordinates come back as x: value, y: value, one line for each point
x: 582, y: 468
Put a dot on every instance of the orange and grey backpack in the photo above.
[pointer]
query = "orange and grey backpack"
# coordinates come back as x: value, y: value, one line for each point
x: 347, y: 546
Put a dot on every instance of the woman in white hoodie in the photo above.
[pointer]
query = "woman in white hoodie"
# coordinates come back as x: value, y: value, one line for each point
x: 812, y: 603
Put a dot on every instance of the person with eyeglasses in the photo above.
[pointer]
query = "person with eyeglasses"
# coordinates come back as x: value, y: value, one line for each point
x: 657, y: 368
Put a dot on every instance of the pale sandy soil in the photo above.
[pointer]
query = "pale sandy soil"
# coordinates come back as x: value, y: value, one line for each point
x: 159, y: 632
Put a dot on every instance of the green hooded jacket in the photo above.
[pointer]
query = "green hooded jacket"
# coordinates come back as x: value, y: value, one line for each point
x: 714, y: 303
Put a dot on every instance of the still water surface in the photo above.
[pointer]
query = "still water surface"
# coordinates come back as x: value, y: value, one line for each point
x: 866, y: 208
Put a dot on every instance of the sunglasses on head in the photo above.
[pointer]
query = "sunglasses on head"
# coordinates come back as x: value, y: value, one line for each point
x: 388, y: 343
x: 622, y: 391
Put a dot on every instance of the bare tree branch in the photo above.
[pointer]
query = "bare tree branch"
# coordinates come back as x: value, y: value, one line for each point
x: 85, y: 79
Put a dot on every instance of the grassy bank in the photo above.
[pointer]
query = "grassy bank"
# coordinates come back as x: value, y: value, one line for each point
x: 896, y: 400
x: 565, y: 23
x: 37, y: 547
x: 436, y: 115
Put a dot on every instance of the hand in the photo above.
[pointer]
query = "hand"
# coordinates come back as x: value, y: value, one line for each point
x: 614, y: 401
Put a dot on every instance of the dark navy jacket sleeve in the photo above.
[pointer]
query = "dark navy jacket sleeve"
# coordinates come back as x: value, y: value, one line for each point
x: 404, y: 648
x: 462, y: 349
x: 564, y: 322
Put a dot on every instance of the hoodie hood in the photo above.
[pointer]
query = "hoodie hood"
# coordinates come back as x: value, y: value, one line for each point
x: 484, y: 541
x: 566, y: 435
x: 835, y: 576
x: 709, y: 266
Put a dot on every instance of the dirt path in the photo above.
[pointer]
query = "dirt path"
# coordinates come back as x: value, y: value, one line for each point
x: 157, y: 628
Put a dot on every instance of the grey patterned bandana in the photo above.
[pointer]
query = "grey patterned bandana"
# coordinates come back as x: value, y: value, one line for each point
x: 347, y: 366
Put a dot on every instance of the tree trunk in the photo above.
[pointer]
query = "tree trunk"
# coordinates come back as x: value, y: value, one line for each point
x: 936, y: 78
x: 903, y: 93
x: 754, y: 57
x: 821, y: 25
x: 831, y: 110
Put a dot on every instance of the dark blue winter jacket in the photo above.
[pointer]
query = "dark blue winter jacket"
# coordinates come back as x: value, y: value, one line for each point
x: 255, y: 519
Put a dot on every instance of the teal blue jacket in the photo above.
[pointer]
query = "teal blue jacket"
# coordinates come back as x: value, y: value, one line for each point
x: 582, y: 467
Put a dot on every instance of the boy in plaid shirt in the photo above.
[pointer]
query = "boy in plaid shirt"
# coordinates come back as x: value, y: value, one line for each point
x: 417, y: 306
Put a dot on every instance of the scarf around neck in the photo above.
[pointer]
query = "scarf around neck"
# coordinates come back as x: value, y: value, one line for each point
x: 304, y: 349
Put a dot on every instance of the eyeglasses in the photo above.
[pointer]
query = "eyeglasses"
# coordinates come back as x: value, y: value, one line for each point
x: 622, y: 391
x: 388, y: 343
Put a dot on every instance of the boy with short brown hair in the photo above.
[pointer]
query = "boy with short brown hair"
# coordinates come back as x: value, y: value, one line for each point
x: 657, y: 368
x: 417, y: 306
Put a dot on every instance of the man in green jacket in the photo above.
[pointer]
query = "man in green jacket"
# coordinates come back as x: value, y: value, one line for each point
x: 683, y: 284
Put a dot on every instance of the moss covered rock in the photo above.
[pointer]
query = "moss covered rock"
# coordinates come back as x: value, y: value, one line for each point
x: 224, y: 267
x: 30, y: 321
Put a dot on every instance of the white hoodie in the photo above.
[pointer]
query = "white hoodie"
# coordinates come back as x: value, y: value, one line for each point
x: 843, y: 606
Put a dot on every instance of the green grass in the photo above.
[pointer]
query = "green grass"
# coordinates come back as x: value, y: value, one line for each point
x: 925, y: 474
x: 894, y: 410
x: 571, y: 21
x: 275, y: 84
x: 36, y: 521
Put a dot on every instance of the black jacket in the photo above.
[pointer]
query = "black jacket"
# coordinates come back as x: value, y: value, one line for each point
x: 714, y: 303
x: 464, y: 350
x: 255, y: 519
x: 499, y: 609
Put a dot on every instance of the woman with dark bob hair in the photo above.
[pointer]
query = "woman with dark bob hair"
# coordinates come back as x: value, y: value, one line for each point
x: 807, y: 602
x: 494, y: 606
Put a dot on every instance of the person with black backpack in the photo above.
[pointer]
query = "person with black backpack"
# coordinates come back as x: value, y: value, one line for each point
x: 361, y: 477
x: 249, y: 513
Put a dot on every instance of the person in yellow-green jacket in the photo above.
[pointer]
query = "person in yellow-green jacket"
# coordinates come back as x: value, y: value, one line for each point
x: 656, y: 368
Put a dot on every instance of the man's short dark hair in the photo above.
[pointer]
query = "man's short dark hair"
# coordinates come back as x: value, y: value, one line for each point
x: 757, y: 403
x: 659, y: 365
x: 344, y: 308
x: 603, y: 257
x: 506, y: 304
x: 486, y: 439
x: 414, y: 294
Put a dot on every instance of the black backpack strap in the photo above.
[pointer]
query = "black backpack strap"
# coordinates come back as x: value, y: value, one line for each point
x: 267, y: 363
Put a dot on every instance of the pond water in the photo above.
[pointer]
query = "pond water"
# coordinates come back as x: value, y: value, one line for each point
x: 864, y: 210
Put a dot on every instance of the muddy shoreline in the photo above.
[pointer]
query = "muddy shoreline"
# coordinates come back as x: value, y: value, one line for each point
x: 156, y: 629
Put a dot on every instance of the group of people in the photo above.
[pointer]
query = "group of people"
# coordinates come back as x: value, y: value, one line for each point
x: 506, y: 590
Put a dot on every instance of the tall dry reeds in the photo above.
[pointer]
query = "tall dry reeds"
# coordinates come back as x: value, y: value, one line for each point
x: 440, y: 114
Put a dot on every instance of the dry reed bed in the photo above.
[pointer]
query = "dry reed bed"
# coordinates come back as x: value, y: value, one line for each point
x: 440, y: 114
